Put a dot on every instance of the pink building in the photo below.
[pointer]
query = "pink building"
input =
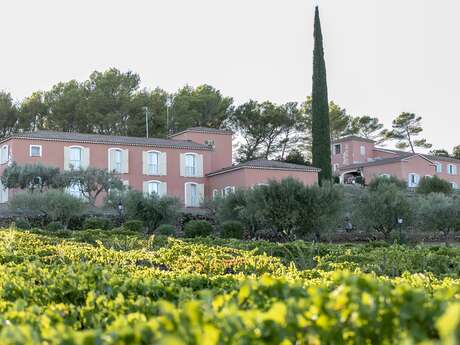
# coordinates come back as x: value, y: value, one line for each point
x: 354, y: 156
x: 192, y: 165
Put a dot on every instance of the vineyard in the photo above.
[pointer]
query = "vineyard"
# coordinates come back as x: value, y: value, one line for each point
x: 96, y: 287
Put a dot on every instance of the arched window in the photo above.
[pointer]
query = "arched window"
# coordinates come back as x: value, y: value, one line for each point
x: 229, y: 190
x: 215, y: 193
x: 153, y: 161
x: 116, y: 160
x: 190, y: 164
x: 76, y: 157
x: 192, y: 195
x: 438, y: 167
x: 154, y: 187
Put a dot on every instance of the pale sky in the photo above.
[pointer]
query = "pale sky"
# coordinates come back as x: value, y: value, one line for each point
x: 383, y: 56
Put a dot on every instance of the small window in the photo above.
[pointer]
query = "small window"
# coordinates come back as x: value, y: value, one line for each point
x: 385, y: 175
x: 76, y: 155
x: 209, y: 142
x: 154, y: 188
x: 414, y: 180
x: 4, y: 154
x: 153, y: 163
x: 452, y: 169
x: 337, y: 149
x: 190, y: 165
x: 336, y: 167
x: 454, y: 185
x: 35, y: 150
x: 362, y: 150
x: 229, y: 190
x: 215, y: 193
x: 438, y: 167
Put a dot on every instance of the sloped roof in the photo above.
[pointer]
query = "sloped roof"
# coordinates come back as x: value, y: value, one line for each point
x: 265, y: 164
x: 352, y: 137
x: 204, y: 130
x: 401, y: 157
x: 427, y: 156
x: 109, y: 139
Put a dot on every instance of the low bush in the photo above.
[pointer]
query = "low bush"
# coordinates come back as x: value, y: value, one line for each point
x: 55, y: 226
x: 166, y: 230
x: 134, y: 225
x: 232, y: 229
x: 386, y: 180
x: 438, y: 212
x: 22, y: 223
x: 97, y: 223
x: 434, y: 184
x: 198, y: 228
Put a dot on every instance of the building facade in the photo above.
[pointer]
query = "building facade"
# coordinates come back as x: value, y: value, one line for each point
x: 191, y: 165
x: 353, y: 156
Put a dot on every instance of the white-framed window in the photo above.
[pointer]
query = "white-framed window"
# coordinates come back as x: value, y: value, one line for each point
x: 4, y: 154
x: 153, y: 161
x: 35, y: 150
x: 362, y: 150
x: 210, y: 143
x: 337, y: 149
x: 414, y: 180
x: 190, y: 164
x: 336, y: 167
x: 154, y: 187
x: 76, y: 157
x: 3, y: 194
x: 116, y: 160
x: 452, y: 169
x: 385, y: 175
x: 454, y: 185
x: 215, y: 193
x: 228, y: 190
x: 438, y: 167
x: 194, y: 194
x: 75, y: 190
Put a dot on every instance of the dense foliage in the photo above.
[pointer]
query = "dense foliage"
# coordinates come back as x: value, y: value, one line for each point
x: 434, y: 184
x: 93, y: 287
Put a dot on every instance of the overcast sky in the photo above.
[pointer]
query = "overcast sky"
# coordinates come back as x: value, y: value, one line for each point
x: 383, y: 56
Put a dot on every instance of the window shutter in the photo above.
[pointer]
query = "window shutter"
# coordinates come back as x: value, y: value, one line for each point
x: 199, y: 172
x: 85, y: 158
x: 5, y: 154
x: 182, y: 164
x: 163, y: 189
x: 145, y: 162
x: 125, y: 161
x: 163, y: 164
x: 110, y: 159
x: 188, y: 195
x: 200, y: 189
x: 66, y: 158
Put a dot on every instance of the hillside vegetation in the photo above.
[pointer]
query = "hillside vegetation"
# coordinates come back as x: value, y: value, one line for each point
x: 96, y: 287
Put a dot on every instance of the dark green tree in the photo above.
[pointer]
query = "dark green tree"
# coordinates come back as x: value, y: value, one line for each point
x: 456, y: 152
x: 8, y: 114
x: 367, y: 127
x: 321, y: 136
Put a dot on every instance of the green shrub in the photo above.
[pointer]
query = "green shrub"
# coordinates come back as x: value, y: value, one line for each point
x: 22, y: 223
x: 166, y: 230
x: 232, y: 229
x: 97, y: 223
x: 134, y: 225
x: 438, y: 212
x: 55, y: 205
x: 76, y: 222
x: 55, y: 226
x: 434, y: 184
x: 151, y: 209
x: 380, y: 208
x: 385, y: 180
x: 197, y: 228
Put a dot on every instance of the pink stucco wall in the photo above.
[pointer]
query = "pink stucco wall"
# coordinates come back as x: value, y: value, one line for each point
x: 249, y: 177
x: 53, y: 155
x: 221, y: 157
x: 351, y: 152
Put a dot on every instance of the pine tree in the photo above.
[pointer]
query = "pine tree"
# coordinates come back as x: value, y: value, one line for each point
x: 321, y: 137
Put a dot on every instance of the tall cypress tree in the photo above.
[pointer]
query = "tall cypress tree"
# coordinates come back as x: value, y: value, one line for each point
x: 321, y: 136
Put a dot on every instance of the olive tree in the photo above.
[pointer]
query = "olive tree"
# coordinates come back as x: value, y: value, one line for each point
x: 438, y: 212
x: 32, y: 177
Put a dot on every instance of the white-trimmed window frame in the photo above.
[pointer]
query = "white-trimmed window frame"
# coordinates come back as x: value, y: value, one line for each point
x: 82, y: 152
x: 158, y: 153
x: 362, y: 150
x: 195, y: 158
x: 197, y: 204
x: 4, y: 160
x: 115, y: 149
x: 438, y: 167
x: 452, y: 169
x: 158, y: 183
x: 72, y: 190
x: 385, y: 175
x: 454, y: 185
x: 335, y: 150
x: 227, y: 190
x: 216, y: 193
x: 410, y: 184
x: 40, y: 148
